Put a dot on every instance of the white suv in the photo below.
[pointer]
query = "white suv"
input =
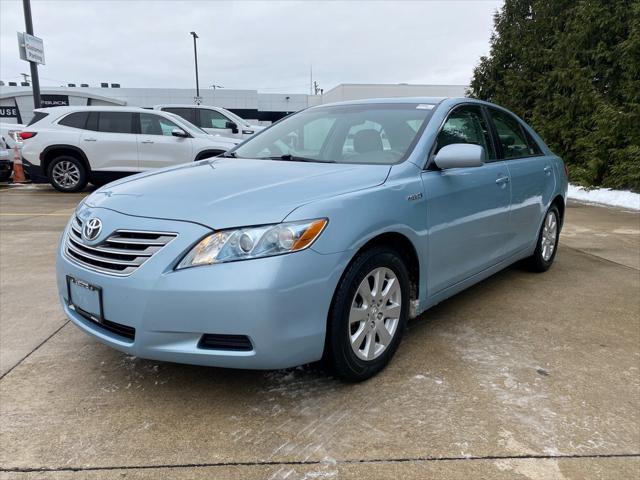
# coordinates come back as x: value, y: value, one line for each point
x: 214, y: 120
x: 70, y: 146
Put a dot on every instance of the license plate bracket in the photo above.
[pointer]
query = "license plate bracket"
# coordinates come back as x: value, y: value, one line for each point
x: 85, y: 298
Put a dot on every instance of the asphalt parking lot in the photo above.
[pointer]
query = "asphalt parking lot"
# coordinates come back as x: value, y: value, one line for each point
x: 530, y: 376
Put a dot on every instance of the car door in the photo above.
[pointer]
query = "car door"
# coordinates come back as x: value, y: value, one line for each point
x: 158, y: 147
x: 214, y: 122
x: 467, y: 208
x: 110, y: 142
x: 532, y: 179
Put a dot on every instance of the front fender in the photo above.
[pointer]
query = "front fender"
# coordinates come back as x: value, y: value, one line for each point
x: 397, y: 206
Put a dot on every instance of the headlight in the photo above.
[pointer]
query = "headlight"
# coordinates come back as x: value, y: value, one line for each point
x: 253, y: 242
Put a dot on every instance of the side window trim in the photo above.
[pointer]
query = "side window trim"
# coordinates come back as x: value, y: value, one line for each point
x: 493, y: 135
x: 135, y: 124
x: 497, y: 146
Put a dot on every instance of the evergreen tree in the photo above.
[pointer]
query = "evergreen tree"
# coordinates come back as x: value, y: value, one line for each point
x: 571, y: 69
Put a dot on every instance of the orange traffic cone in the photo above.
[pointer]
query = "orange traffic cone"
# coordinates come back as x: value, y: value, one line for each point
x: 18, y: 171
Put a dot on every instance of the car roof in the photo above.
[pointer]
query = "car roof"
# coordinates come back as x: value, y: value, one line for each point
x: 90, y: 109
x: 184, y: 105
x: 394, y: 100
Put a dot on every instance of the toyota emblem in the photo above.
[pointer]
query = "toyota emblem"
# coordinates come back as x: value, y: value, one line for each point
x: 92, y: 229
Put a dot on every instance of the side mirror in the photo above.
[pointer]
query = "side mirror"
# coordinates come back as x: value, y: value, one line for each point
x: 178, y: 132
x: 460, y: 155
x: 233, y: 126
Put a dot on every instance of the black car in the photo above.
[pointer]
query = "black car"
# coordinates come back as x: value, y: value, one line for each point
x: 6, y: 162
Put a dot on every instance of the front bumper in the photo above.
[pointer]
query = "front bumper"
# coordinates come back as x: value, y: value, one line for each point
x: 280, y: 303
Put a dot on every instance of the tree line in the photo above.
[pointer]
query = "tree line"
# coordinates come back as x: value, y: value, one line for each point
x: 571, y: 69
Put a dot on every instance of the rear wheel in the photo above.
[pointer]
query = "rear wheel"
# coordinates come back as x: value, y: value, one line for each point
x: 368, y: 315
x: 67, y: 174
x: 547, y: 245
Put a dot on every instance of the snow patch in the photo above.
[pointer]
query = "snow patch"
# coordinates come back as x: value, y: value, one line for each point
x: 605, y: 196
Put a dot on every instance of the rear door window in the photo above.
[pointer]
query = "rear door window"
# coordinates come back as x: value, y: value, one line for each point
x: 533, y: 145
x: 511, y: 136
x: 187, y: 113
x: 115, y: 122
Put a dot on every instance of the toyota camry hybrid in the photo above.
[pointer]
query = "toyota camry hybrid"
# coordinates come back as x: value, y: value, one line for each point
x: 317, y: 238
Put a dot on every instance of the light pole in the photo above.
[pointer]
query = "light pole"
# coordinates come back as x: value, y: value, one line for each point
x: 195, y: 55
x: 35, y: 81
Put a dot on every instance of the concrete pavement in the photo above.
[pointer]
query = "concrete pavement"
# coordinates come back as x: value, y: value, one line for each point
x: 522, y: 376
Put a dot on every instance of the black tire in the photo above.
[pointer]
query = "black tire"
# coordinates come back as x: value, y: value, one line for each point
x: 82, y: 174
x: 339, y: 355
x: 537, y: 262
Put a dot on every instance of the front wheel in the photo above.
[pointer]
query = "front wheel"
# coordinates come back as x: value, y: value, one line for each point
x: 368, y: 315
x: 547, y: 245
x: 67, y: 174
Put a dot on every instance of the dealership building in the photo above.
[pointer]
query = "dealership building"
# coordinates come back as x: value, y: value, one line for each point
x: 16, y: 102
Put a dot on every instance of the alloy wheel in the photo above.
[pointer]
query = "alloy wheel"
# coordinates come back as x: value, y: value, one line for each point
x: 66, y: 174
x: 375, y: 313
x: 549, y: 235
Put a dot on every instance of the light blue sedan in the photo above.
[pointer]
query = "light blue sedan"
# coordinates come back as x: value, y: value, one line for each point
x: 316, y: 239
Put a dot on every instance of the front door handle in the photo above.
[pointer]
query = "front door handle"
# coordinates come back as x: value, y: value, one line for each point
x: 502, y: 180
x: 147, y: 141
x: 90, y: 140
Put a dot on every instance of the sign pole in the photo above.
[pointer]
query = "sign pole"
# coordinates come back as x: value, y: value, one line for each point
x: 195, y: 56
x: 35, y: 81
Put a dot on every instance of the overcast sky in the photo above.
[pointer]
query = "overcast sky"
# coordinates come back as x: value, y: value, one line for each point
x: 263, y: 45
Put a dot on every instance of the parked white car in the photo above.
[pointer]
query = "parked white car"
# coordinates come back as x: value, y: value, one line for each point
x: 7, y: 143
x: 8, y: 131
x: 70, y: 146
x: 214, y: 120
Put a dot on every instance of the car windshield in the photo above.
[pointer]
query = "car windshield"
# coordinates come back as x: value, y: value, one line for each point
x: 186, y: 124
x: 378, y: 133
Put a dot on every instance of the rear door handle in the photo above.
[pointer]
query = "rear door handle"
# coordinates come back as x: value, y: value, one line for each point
x: 548, y: 170
x: 502, y: 180
x: 90, y: 140
x: 147, y: 141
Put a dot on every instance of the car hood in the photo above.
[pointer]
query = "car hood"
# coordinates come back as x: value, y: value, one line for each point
x: 218, y: 139
x: 232, y: 192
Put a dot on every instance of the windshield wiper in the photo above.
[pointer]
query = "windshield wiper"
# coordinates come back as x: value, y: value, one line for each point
x: 294, y: 158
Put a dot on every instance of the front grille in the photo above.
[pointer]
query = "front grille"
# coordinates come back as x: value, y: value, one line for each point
x: 120, y: 254
x: 210, y: 341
